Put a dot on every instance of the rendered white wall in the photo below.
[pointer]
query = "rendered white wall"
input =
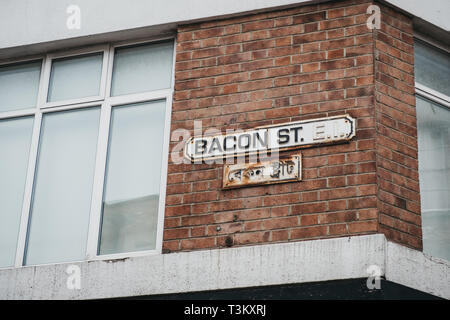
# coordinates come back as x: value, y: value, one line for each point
x: 25, y: 22
x: 28, y: 21
x: 434, y: 11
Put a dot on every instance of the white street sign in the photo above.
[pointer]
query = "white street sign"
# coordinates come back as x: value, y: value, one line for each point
x: 292, y: 135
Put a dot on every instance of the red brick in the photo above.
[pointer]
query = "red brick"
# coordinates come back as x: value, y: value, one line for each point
x: 280, y: 211
x: 197, y: 220
x: 308, y: 220
x: 170, y: 234
x: 293, y: 64
x: 310, y: 17
x: 257, y: 25
x: 336, y: 217
x: 280, y: 223
x: 308, y: 232
x: 252, y: 237
x: 281, y: 199
x: 203, y: 53
x: 199, y: 197
x: 253, y: 225
x: 363, y: 226
x: 338, y: 23
x: 335, y: 182
x: 169, y: 246
x: 309, y: 208
x: 280, y: 235
x: 198, y: 243
x: 309, y: 37
x: 251, y: 214
x: 178, y: 210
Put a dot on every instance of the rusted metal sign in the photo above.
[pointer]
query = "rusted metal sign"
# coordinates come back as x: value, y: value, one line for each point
x: 292, y: 135
x: 267, y: 172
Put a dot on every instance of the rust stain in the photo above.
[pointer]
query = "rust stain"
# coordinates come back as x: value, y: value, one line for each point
x: 284, y: 169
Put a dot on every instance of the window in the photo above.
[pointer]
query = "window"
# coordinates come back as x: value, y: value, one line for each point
x: 432, y: 72
x: 83, y: 153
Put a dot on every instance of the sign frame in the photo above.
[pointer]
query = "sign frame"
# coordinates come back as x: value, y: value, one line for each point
x: 325, y: 141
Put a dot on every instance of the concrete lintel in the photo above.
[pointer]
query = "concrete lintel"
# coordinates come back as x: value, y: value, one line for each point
x: 240, y: 267
x: 417, y: 270
x: 269, y: 264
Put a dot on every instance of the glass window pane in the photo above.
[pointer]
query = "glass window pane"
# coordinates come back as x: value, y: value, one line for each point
x: 15, y: 139
x: 63, y: 187
x: 130, y: 207
x: 19, y: 85
x: 77, y: 77
x: 142, y: 68
x: 432, y: 67
x: 433, y: 128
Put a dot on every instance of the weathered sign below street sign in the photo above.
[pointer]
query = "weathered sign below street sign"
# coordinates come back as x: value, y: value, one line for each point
x: 267, y: 172
x: 292, y: 135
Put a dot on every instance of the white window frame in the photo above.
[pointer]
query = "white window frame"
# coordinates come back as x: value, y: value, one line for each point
x: 432, y: 95
x: 105, y: 102
x: 104, y: 49
x: 423, y: 90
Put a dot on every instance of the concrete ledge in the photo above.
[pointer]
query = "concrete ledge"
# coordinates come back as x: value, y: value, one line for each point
x: 417, y: 270
x: 251, y: 266
x: 296, y: 262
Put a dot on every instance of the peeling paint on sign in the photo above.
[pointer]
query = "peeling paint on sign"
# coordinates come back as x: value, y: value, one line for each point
x: 266, y: 172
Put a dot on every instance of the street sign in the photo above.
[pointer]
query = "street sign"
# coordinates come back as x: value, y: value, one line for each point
x: 292, y: 135
x: 280, y: 170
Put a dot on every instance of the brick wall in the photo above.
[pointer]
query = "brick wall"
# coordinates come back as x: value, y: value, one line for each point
x: 307, y: 62
x: 397, y: 165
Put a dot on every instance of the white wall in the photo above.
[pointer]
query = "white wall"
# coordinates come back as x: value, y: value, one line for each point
x: 25, y: 22
x: 28, y: 21
x: 434, y: 11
